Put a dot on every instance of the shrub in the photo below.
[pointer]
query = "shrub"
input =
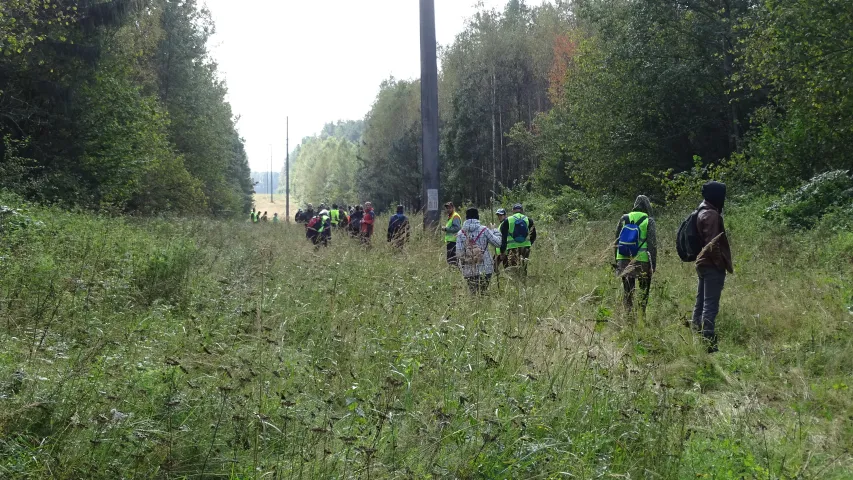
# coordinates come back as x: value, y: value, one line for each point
x: 570, y: 205
x: 830, y: 192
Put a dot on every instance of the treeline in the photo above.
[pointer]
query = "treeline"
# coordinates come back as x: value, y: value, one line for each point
x: 117, y: 105
x: 616, y: 96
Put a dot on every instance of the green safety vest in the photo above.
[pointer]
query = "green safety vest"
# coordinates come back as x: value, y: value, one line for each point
x: 323, y: 219
x: 451, y: 237
x: 336, y: 217
x: 256, y: 217
x: 643, y: 256
x: 510, y: 242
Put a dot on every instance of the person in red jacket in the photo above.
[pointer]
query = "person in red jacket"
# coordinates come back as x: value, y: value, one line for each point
x: 367, y: 222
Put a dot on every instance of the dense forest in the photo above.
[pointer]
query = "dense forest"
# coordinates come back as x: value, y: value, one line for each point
x: 117, y: 105
x: 612, y: 97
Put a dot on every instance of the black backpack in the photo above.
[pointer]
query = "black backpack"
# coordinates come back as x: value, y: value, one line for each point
x: 688, y: 242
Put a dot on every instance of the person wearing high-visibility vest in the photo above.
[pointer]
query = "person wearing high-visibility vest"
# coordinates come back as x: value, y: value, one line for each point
x: 324, y: 229
x: 518, y: 234
x: 636, y: 252
x: 335, y: 215
x: 453, y: 226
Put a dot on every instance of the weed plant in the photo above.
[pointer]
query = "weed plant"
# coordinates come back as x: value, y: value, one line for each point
x: 205, y: 349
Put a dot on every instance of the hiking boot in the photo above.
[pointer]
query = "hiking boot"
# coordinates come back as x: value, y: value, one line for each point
x: 713, y: 346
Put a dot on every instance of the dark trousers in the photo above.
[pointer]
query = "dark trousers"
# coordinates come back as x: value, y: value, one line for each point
x: 451, y: 253
x: 631, y: 273
x: 366, y: 233
x: 479, y: 284
x: 517, y: 257
x: 711, y: 282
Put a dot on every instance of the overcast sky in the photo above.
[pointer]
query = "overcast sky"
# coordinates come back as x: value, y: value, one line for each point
x: 317, y: 60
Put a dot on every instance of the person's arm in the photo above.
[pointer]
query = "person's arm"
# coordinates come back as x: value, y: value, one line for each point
x: 460, y: 243
x: 652, y: 243
x: 390, y: 228
x: 532, y: 231
x: 504, y: 234
x: 455, y: 226
x: 493, y: 239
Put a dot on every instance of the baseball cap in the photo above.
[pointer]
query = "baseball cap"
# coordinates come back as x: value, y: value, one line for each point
x: 501, y: 211
x: 517, y: 206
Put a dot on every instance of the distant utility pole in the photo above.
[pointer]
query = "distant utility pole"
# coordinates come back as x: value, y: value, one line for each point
x: 429, y: 112
x: 271, y: 200
x: 287, y: 170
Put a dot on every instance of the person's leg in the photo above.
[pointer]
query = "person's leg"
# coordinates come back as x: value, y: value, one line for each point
x: 513, y: 259
x: 484, y: 283
x: 525, y: 258
x: 624, y: 270
x: 451, y: 253
x: 715, y: 280
x: 473, y: 284
x: 700, y: 301
x: 628, y: 285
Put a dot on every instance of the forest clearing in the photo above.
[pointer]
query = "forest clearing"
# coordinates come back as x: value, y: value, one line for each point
x: 152, y: 348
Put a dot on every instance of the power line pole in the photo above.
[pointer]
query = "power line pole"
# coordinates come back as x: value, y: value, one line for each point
x: 270, y: 176
x: 287, y: 171
x: 429, y: 112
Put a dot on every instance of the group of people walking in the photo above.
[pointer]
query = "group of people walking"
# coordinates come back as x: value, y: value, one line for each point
x: 701, y: 239
x: 356, y: 220
x: 468, y: 242
x: 256, y: 217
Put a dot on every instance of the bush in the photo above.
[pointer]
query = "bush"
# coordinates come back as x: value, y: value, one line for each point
x: 571, y: 205
x: 830, y: 192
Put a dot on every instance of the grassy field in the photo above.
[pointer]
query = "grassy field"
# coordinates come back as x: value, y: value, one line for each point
x: 202, y: 349
x: 263, y: 203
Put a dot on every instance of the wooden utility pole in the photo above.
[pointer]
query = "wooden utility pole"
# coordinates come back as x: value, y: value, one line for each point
x: 429, y: 113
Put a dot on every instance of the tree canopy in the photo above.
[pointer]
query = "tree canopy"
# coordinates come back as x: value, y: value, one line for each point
x: 117, y: 105
x: 618, y: 96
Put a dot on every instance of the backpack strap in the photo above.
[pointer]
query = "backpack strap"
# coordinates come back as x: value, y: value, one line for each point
x: 482, y: 230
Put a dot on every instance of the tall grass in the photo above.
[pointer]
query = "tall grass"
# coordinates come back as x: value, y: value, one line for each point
x: 202, y: 349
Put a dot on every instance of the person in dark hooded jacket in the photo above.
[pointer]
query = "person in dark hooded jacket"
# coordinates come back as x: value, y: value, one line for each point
x: 713, y: 262
x: 643, y: 265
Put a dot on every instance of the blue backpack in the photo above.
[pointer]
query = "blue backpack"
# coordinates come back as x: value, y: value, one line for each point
x: 520, y: 230
x: 629, y: 238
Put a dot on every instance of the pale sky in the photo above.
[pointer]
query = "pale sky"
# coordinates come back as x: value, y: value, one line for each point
x: 317, y: 60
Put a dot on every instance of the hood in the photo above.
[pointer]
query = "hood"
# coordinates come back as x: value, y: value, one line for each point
x: 471, y: 225
x: 643, y: 204
x: 715, y: 194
